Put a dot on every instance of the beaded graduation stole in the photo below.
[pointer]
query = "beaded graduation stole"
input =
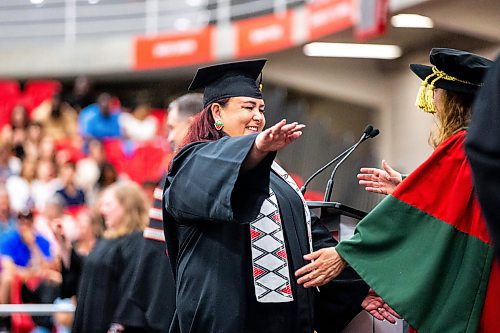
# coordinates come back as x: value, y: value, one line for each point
x: 271, y: 272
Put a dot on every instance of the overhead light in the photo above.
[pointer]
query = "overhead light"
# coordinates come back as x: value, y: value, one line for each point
x: 36, y: 2
x: 411, y: 21
x: 196, y: 3
x: 350, y: 50
x: 93, y: 2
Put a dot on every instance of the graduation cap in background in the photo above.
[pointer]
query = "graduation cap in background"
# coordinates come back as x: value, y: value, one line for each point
x: 229, y: 80
x: 453, y: 70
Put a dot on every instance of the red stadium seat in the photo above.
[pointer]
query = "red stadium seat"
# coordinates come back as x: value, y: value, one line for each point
x: 9, y: 88
x: 37, y: 91
x: 20, y: 322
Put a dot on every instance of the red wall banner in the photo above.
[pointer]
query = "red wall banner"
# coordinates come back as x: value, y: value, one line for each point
x: 263, y: 34
x: 172, y: 50
x: 329, y: 16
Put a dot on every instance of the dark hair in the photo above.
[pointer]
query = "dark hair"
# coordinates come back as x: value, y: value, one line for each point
x: 103, y: 180
x: 188, y: 105
x: 202, y: 128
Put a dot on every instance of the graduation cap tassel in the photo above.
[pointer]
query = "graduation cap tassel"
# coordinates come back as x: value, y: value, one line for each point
x: 420, y: 102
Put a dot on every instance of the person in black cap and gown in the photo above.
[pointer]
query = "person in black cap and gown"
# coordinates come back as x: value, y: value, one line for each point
x: 483, y: 150
x: 237, y: 226
x: 150, y: 303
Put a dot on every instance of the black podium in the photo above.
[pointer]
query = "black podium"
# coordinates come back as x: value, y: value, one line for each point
x: 339, y: 301
x: 337, y: 217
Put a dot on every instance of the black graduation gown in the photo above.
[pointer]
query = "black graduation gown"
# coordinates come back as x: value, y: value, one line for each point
x: 208, y: 208
x: 150, y: 304
x: 483, y: 150
x: 106, y: 278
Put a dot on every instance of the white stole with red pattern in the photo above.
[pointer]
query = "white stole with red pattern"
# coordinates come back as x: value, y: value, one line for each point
x: 271, y: 272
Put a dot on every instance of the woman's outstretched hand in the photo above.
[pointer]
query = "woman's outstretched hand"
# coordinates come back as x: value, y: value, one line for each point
x: 380, y: 181
x: 376, y: 306
x: 327, y: 265
x: 278, y: 136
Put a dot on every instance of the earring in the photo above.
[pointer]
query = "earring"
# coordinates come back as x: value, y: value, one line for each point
x: 218, y: 124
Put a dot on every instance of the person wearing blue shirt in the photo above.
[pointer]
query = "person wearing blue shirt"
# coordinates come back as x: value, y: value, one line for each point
x: 98, y: 120
x: 25, y: 254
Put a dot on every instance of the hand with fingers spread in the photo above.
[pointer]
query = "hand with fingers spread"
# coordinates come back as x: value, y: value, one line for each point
x: 327, y: 265
x: 278, y: 136
x: 376, y: 306
x: 272, y: 139
x: 380, y: 181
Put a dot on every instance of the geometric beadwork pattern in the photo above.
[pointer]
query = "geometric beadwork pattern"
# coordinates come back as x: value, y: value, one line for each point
x: 270, y: 265
x: 271, y: 272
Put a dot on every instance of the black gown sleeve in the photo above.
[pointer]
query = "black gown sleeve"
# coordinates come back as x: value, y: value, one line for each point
x: 71, y: 275
x: 205, y: 182
x: 339, y: 301
x: 483, y: 150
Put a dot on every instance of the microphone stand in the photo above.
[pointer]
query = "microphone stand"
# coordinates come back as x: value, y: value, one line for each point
x: 329, y: 185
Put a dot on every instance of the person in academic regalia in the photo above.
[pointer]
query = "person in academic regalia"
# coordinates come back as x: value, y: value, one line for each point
x: 425, y: 248
x: 152, y: 294
x: 108, y: 269
x: 483, y: 150
x: 236, y: 224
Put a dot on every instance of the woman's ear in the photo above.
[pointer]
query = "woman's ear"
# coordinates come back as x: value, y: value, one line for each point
x: 216, y: 110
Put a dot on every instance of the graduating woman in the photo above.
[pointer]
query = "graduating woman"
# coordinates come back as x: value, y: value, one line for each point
x: 425, y: 249
x: 108, y: 269
x: 236, y: 225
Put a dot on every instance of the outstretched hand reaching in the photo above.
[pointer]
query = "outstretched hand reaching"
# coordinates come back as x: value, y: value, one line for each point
x: 378, y: 180
x: 278, y: 136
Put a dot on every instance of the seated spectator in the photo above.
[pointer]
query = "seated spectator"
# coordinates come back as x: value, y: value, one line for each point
x: 53, y: 220
x: 87, y: 169
x: 45, y: 184
x: 15, y: 133
x: 71, y: 194
x: 47, y: 149
x: 139, y: 124
x: 107, y: 176
x: 99, y: 120
x: 7, y: 217
x: 26, y: 255
x: 82, y: 95
x: 20, y: 187
x: 33, y: 138
x: 9, y: 164
x: 58, y: 119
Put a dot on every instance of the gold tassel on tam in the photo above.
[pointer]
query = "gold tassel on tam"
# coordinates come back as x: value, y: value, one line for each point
x: 420, y: 102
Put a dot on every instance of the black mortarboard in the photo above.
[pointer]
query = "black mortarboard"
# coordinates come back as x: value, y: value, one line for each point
x: 229, y: 80
x: 464, y: 71
x: 453, y: 70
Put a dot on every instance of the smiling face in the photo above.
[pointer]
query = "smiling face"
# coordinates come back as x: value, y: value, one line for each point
x: 241, y: 115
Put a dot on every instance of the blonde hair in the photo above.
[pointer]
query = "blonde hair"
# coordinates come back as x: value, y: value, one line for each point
x: 135, y: 210
x: 452, y: 116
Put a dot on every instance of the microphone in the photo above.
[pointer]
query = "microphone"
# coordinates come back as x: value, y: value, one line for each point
x: 367, y: 131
